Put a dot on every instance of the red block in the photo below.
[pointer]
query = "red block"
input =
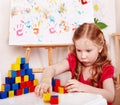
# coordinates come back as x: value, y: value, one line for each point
x: 18, y: 73
x: 22, y: 78
x: 65, y: 91
x: 29, y: 83
x: 54, y: 99
x: 18, y: 92
x: 31, y: 88
x: 22, y: 85
x: 57, y: 82
x: 55, y: 88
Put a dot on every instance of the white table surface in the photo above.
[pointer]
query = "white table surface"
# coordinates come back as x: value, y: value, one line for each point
x: 64, y: 99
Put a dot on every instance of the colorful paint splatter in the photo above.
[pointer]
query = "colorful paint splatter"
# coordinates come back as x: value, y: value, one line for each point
x: 47, y: 21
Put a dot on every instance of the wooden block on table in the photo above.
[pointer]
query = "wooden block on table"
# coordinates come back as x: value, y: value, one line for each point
x: 54, y: 99
x: 18, y: 92
x: 3, y: 94
x: 35, y: 82
x: 5, y: 87
x: 11, y: 93
x: 15, y: 67
x: 15, y: 86
x: 46, y: 97
x: 26, y: 78
x: 26, y: 90
x: 18, y: 79
x: 20, y: 60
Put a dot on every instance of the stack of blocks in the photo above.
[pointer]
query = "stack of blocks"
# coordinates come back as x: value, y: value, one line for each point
x: 57, y: 87
x: 54, y: 99
x: 20, y: 80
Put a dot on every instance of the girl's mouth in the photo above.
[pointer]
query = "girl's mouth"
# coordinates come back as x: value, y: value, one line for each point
x: 84, y: 63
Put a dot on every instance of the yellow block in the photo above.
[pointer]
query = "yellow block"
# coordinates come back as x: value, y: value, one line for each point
x: 60, y: 89
x: 18, y: 60
x: 15, y: 67
x: 35, y: 82
x: 18, y: 79
x: 2, y: 87
x: 9, y: 73
x: 11, y: 93
x: 46, y: 97
x: 26, y: 78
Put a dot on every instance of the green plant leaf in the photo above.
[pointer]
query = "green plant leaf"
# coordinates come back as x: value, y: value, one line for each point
x: 95, y: 20
x: 101, y: 25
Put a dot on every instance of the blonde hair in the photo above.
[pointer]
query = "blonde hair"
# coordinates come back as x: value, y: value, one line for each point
x: 92, y: 32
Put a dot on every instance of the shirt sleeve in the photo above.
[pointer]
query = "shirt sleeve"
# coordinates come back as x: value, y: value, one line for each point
x: 107, y: 72
x: 72, y: 63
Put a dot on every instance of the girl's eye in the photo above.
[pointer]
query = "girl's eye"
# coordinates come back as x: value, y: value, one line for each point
x: 88, y: 50
x: 78, y: 50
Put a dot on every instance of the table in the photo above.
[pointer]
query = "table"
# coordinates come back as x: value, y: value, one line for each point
x: 64, y: 99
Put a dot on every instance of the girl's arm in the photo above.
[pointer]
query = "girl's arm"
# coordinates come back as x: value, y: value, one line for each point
x: 108, y: 91
x: 48, y: 74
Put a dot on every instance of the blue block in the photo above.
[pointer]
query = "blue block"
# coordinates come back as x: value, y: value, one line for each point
x: 53, y: 82
x: 23, y: 60
x: 22, y: 72
x: 31, y: 77
x: 24, y: 66
x: 9, y: 80
x: 28, y: 71
x: 3, y: 95
x: 13, y: 73
x: 26, y: 90
x: 6, y: 87
x: 54, y: 96
x: 15, y: 86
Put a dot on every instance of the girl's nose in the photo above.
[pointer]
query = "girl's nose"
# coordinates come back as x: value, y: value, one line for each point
x: 83, y: 55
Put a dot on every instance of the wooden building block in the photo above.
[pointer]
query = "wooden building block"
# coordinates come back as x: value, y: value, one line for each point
x: 61, y: 89
x: 18, y: 92
x: 9, y: 80
x: 31, y: 77
x: 26, y: 90
x: 15, y: 67
x: 18, y: 79
x: 24, y: 66
x: 35, y: 82
x: 46, y: 97
x: 54, y: 100
x: 22, y: 85
x: 15, y: 86
x: 22, y: 72
x: 3, y: 95
x: 11, y: 93
x: 31, y: 88
x: 26, y: 78
x: 29, y: 83
x: 20, y: 60
x: 28, y: 71
x: 5, y: 87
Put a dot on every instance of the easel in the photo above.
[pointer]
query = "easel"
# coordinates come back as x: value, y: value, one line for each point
x: 50, y: 53
x: 116, y: 37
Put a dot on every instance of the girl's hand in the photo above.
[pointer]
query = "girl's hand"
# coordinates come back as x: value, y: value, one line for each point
x: 44, y: 87
x: 74, y: 85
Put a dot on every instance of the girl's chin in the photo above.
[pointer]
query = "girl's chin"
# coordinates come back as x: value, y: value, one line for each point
x: 86, y: 64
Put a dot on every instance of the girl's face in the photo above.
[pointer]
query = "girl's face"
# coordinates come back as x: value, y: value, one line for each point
x: 87, y: 51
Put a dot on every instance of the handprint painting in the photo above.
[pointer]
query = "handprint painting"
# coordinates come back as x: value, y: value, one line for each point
x: 47, y: 21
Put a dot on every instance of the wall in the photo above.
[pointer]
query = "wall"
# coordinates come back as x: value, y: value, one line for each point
x: 38, y: 56
x: 117, y: 15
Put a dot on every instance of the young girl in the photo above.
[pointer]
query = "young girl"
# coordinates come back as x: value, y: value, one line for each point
x: 89, y: 64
